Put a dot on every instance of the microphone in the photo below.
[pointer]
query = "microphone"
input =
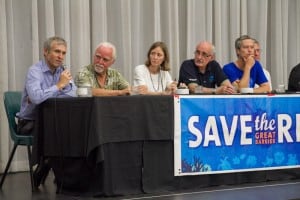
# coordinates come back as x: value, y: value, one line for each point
x: 67, y: 67
x: 64, y: 67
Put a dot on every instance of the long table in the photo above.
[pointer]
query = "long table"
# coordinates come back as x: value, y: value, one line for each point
x: 108, y: 146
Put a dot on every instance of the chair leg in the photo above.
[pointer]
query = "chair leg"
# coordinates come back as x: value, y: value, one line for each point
x: 8, y: 164
x: 30, y: 167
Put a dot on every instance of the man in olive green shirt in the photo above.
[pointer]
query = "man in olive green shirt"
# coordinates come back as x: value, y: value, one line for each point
x: 104, y: 80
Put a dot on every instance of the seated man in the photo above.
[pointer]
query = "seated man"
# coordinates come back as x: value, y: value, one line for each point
x: 45, y: 79
x: 294, y: 79
x: 205, y: 71
x: 245, y: 72
x: 103, y: 80
x: 257, y: 51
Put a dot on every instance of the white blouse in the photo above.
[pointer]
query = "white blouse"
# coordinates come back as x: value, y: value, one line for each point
x: 155, y: 82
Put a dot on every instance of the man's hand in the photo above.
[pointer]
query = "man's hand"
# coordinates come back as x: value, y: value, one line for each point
x: 249, y: 62
x: 125, y: 91
x: 64, y: 79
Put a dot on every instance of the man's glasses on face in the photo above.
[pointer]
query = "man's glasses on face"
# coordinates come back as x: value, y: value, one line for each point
x: 203, y: 54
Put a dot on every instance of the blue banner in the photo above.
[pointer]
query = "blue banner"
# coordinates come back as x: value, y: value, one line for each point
x: 219, y: 134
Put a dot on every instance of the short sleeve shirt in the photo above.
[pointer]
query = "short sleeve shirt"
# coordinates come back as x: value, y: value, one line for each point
x: 189, y: 73
x: 257, y: 75
x: 114, y: 80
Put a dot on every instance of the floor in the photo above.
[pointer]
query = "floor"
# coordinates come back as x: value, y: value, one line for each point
x: 17, y: 187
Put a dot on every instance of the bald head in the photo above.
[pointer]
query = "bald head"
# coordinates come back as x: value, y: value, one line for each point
x: 204, y: 53
x: 208, y: 46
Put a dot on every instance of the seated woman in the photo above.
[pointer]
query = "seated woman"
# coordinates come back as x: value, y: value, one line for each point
x: 153, y: 77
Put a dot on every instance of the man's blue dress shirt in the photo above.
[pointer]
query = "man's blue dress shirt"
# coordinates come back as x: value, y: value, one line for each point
x: 40, y: 85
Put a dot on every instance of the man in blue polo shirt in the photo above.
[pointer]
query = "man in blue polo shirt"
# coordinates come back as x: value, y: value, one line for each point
x: 205, y: 71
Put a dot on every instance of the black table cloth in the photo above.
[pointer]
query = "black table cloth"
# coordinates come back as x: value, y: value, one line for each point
x: 108, y: 146
x: 102, y: 133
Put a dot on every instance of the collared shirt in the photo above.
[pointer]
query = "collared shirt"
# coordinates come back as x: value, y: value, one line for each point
x: 114, y: 80
x: 212, y: 77
x: 40, y: 85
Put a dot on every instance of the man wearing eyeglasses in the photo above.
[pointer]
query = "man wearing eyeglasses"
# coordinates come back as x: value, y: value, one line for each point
x: 205, y: 72
x: 104, y: 80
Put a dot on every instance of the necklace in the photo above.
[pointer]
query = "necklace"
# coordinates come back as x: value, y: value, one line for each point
x: 159, y: 81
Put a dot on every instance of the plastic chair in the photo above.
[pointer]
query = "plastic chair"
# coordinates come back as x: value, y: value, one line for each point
x: 12, y: 104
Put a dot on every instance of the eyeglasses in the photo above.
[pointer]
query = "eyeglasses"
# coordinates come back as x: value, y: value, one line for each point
x: 203, y: 54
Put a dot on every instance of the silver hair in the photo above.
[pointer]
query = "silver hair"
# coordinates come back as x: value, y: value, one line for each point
x: 109, y: 45
x: 59, y: 40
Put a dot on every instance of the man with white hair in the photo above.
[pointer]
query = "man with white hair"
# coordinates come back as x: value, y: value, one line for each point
x: 104, y: 80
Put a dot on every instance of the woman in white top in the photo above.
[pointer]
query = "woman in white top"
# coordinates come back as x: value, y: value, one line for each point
x: 153, y: 77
